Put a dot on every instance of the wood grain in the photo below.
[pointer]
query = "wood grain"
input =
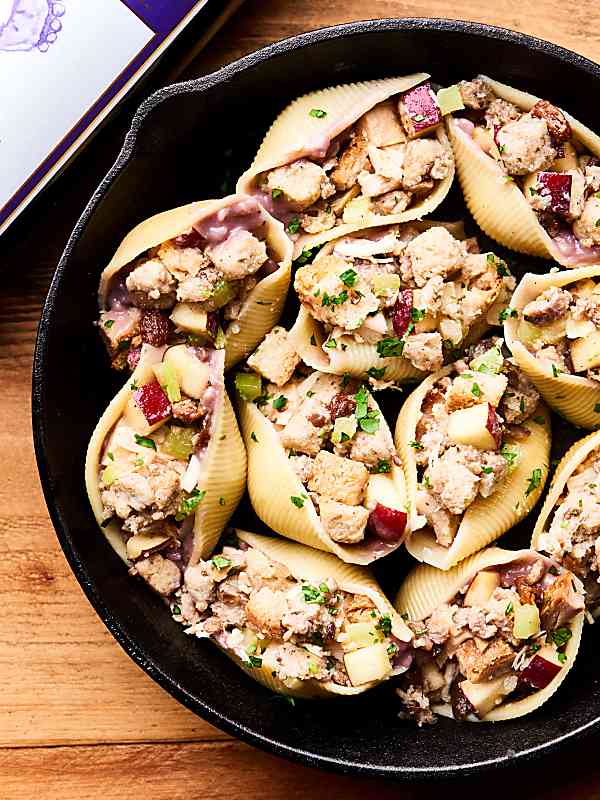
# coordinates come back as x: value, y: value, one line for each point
x: 77, y: 718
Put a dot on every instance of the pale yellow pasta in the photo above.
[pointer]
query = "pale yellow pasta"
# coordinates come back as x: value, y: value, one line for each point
x: 223, y: 475
x: 297, y: 134
x: 487, y: 518
x: 497, y: 203
x: 572, y: 396
x: 272, y: 482
x: 263, y: 305
x: 426, y: 587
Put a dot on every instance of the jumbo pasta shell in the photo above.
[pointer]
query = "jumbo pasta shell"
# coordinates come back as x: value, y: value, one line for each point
x: 315, y: 566
x: 572, y: 396
x: 223, y: 475
x: 308, y: 337
x: 487, y: 518
x: 498, y: 205
x: 426, y: 587
x: 263, y: 305
x: 269, y: 467
x: 297, y: 134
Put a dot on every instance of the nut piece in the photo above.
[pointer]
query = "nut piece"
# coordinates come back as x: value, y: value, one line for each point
x: 558, y: 125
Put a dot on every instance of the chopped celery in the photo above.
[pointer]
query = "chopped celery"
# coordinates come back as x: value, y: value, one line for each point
x: 109, y: 475
x: 178, y: 442
x: 491, y: 361
x: 223, y: 293
x: 248, y: 385
x: 385, y: 283
x: 167, y: 377
x: 344, y: 428
x: 450, y: 99
x: 220, y: 339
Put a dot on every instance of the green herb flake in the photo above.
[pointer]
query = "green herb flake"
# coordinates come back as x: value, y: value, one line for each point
x: 555, y: 371
x: 312, y: 340
x: 522, y: 405
x: 293, y: 225
x: 475, y: 390
x: 297, y: 501
x: 312, y: 594
x: 597, y: 223
x: 361, y: 398
x: 509, y: 455
x: 318, y: 113
x: 280, y: 403
x: 109, y: 323
x: 562, y: 657
x: 133, y: 386
x: 139, y: 462
x: 390, y: 347
x: 416, y: 445
x: 506, y: 313
x: 384, y: 625
x: 221, y: 501
x: 597, y: 408
x: 487, y: 470
x: 254, y: 662
x: 561, y: 636
x: 111, y: 456
x: 220, y: 562
x: 508, y: 609
x: 535, y: 481
x: 348, y: 278
x: 145, y: 441
x: 542, y: 421
x: 502, y: 269
x: 330, y: 344
x: 383, y: 466
x: 254, y: 437
x: 417, y: 314
x: 276, y: 193
x: 375, y: 373
x: 189, y: 504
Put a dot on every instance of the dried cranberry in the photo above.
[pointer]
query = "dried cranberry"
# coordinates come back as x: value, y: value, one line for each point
x: 386, y: 523
x: 191, y: 239
x: 154, y: 328
x: 558, y: 125
x: 341, y: 405
x: 556, y: 187
x: 133, y: 357
x: 402, y: 312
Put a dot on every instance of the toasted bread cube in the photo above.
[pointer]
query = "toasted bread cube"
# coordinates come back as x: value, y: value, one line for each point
x: 264, y: 611
x: 339, y: 478
x: 301, y: 435
x: 479, y: 666
x: 275, y: 358
x: 345, y: 524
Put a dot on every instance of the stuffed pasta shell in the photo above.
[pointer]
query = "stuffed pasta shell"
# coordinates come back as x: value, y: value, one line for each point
x: 353, y: 156
x: 568, y: 527
x: 323, y: 469
x: 213, y: 273
x: 529, y: 171
x: 297, y: 620
x: 474, y: 440
x: 166, y: 465
x: 494, y: 637
x: 553, y: 332
x: 396, y: 302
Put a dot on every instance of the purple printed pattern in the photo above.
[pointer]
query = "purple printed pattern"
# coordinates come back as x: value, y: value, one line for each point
x: 161, y: 15
x: 27, y: 25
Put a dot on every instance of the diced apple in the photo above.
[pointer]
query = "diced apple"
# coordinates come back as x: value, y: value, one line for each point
x: 567, y: 161
x: 489, y: 362
x: 542, y: 669
x: 578, y: 328
x: 492, y: 387
x: 555, y: 189
x: 584, y: 288
x: 450, y: 99
x: 193, y: 318
x: 192, y: 374
x: 419, y: 111
x: 357, y: 210
x: 165, y: 375
x: 147, y: 409
x: 526, y: 621
x: 486, y: 695
x: 585, y: 353
x: 469, y: 426
x: 367, y: 664
x: 387, y: 523
x: 359, y: 634
x: 482, y: 587
x: 381, y: 489
x: 344, y: 426
x: 143, y: 543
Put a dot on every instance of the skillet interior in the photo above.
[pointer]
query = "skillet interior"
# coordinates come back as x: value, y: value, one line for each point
x: 190, y: 141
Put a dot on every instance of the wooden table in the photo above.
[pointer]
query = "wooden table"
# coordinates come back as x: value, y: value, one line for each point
x: 78, y: 719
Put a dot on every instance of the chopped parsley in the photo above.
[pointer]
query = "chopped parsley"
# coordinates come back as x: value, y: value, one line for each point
x: 293, y: 225
x: 318, y: 113
x: 145, y: 441
x: 375, y: 373
x: 109, y: 323
x: 597, y: 408
x: 221, y: 501
x: 555, y: 371
x: 312, y: 340
x: 597, y: 223
x: 500, y: 265
x: 506, y: 313
x: 133, y: 386
x: 307, y: 255
x: 509, y: 455
x: 254, y: 437
x: 562, y: 657
x: 416, y: 445
x: 392, y: 650
x: 176, y: 610
x: 533, y: 191
x: 535, y: 481
x: 276, y: 193
x: 313, y: 668
x: 487, y: 470
x: 220, y: 562
x: 254, y: 661
x: 560, y: 636
x: 542, y: 421
x: 390, y: 346
x: 313, y: 594
x: 368, y: 419
x: 110, y: 455
x: 297, y: 501
x: 382, y: 466
x: 522, y: 405
x: 330, y: 344
x: 348, y: 278
x: 508, y: 609
x: 139, y: 462
x: 189, y: 504
x: 384, y: 625
x: 417, y: 314
x: 532, y: 650
x: 475, y: 390
x: 280, y: 403
x: 361, y: 399
x: 370, y: 423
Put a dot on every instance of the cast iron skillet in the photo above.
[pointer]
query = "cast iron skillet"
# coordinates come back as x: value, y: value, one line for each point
x: 189, y: 142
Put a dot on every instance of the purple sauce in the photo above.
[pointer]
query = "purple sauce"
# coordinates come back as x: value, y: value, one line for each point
x: 242, y: 216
